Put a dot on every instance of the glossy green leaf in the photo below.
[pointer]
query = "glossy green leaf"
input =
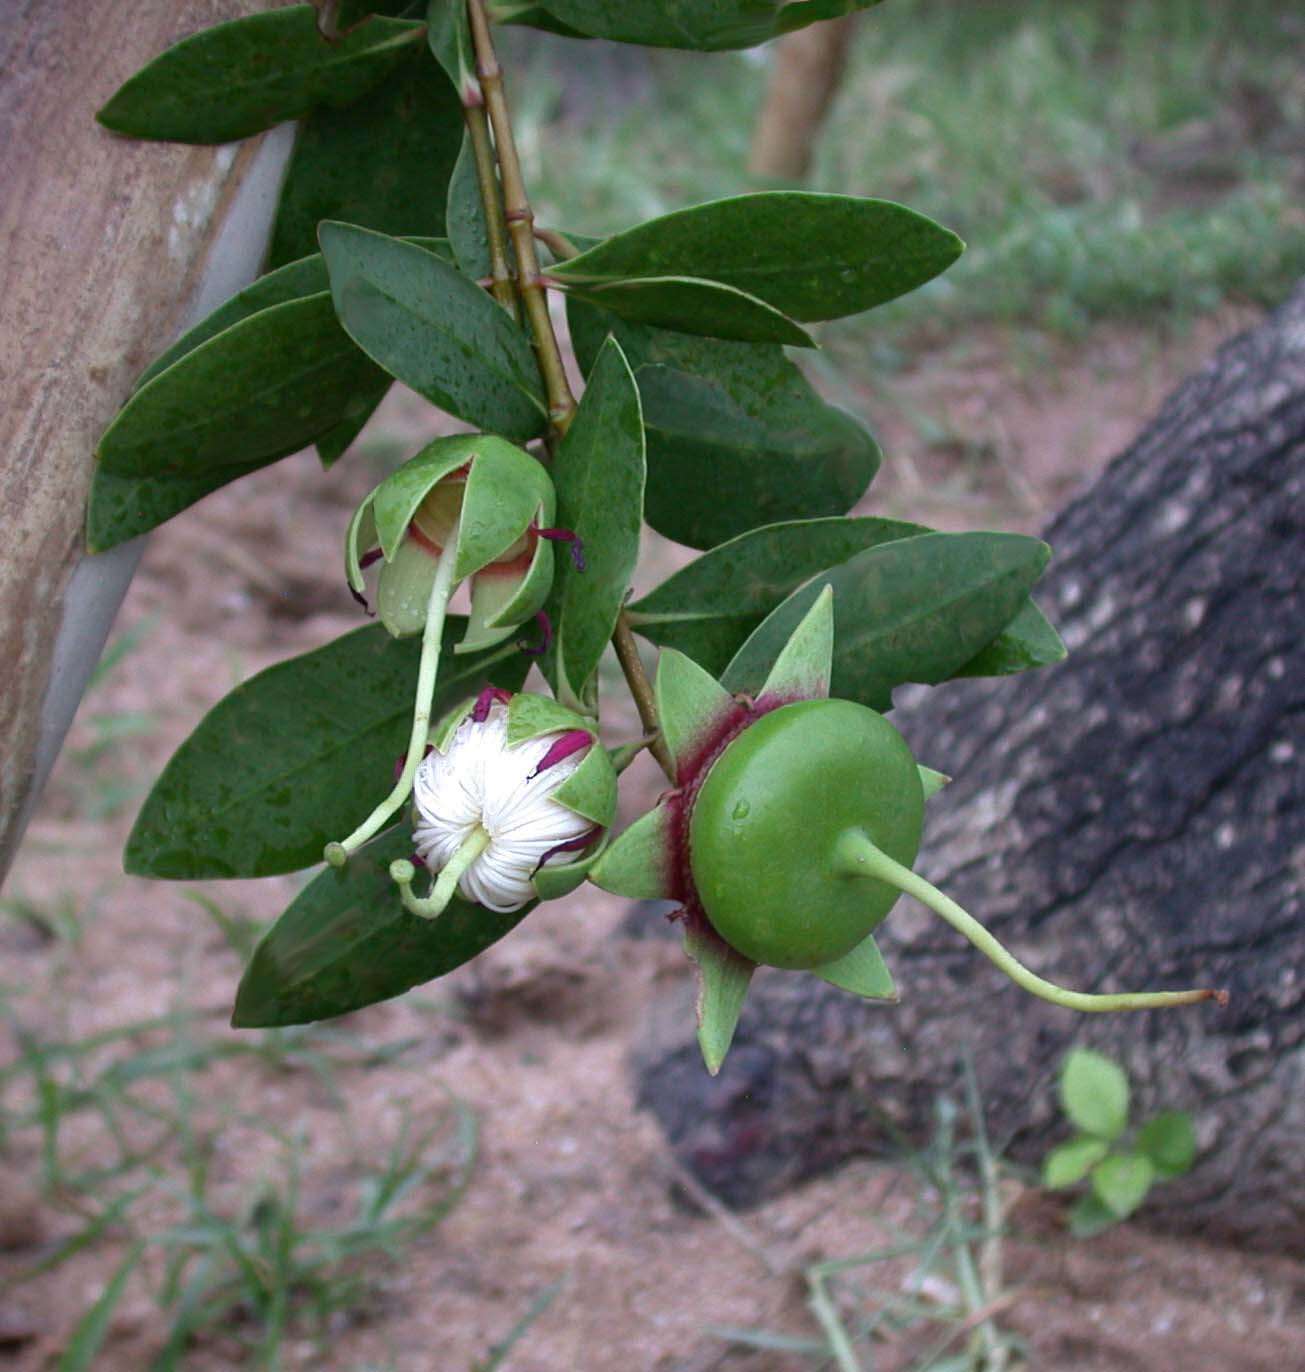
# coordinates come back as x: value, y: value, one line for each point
x: 269, y: 384
x: 701, y: 25
x: 296, y: 756
x: 295, y: 280
x: 346, y: 942
x: 1120, y: 1182
x: 809, y: 255
x: 723, y: 977
x: 436, y: 331
x: 1094, y: 1094
x: 448, y: 32
x: 120, y: 508
x: 912, y: 610
x: 1027, y: 642
x: 598, y: 475
x: 464, y: 216
x: 1071, y: 1162
x: 709, y: 308
x: 333, y: 444
x: 238, y: 78
x: 383, y: 164
x: 709, y: 608
x: 1169, y: 1140
x: 736, y: 435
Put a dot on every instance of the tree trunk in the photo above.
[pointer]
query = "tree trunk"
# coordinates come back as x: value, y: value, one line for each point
x: 112, y: 248
x: 807, y: 71
x: 1130, y: 819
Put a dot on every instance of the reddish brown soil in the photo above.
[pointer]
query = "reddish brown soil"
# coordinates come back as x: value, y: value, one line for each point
x: 572, y: 1184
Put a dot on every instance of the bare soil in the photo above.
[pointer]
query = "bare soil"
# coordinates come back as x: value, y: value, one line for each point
x: 572, y: 1185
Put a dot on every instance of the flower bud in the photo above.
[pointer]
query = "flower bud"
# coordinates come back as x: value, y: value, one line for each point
x: 475, y: 498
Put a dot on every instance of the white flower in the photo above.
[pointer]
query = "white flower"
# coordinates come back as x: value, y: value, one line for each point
x: 479, y: 783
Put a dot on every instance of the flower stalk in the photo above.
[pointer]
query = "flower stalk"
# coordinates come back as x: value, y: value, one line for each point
x: 337, y: 854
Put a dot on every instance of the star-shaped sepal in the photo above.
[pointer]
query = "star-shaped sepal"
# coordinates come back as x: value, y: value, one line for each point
x: 651, y: 860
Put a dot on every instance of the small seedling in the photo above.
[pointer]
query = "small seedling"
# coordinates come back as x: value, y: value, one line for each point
x: 1120, y: 1168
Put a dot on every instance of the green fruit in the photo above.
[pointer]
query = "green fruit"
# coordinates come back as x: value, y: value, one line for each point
x: 766, y: 824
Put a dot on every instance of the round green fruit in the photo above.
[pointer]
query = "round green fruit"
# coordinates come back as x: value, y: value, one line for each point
x: 765, y: 831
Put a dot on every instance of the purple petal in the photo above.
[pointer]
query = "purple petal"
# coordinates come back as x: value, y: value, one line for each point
x: 487, y: 698
x: 546, y: 633
x: 563, y: 747
x: 568, y: 536
x: 573, y: 845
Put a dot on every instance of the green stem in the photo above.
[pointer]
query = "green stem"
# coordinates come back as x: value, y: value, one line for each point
x: 431, y: 641
x: 627, y: 654
x: 502, y: 287
x: 856, y: 856
x: 446, y: 884
x: 521, y: 224
x: 557, y: 243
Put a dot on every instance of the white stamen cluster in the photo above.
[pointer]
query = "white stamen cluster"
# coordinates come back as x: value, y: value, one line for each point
x: 480, y: 781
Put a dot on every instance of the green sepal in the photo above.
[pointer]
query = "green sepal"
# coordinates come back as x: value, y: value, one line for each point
x: 531, y: 716
x: 360, y: 537
x: 557, y: 880
x: 863, y: 971
x: 932, y: 782
x: 805, y: 665
x: 506, y: 490
x: 688, y: 305
x: 723, y: 977
x: 346, y: 942
x: 590, y: 791
x: 395, y: 500
x: 404, y: 587
x: 689, y: 702
x: 637, y: 864
x: 501, y: 601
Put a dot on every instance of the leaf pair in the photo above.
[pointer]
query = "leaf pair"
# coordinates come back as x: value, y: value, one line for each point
x: 748, y: 267
x: 909, y: 604
x: 736, y: 434
x: 267, y: 373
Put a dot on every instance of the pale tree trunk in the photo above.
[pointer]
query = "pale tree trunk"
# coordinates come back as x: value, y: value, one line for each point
x: 804, y: 79
x: 111, y: 248
x: 1131, y: 818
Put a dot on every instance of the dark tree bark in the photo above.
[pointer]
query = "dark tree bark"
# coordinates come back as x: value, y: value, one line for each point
x: 1130, y: 819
